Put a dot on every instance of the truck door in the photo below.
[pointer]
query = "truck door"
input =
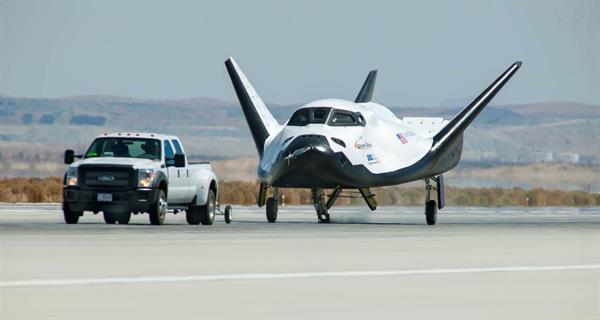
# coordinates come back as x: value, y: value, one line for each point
x: 185, y: 172
x: 177, y: 186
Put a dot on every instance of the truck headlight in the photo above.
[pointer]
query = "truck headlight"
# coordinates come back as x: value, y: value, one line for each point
x: 145, y: 177
x: 72, y: 177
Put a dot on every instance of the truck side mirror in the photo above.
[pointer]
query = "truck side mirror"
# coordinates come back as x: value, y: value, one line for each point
x: 179, y: 160
x: 69, y: 156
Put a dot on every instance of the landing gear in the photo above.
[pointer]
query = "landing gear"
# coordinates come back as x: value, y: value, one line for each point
x: 318, y: 197
x: 272, y: 208
x: 431, y: 212
x: 271, y: 202
x: 431, y: 207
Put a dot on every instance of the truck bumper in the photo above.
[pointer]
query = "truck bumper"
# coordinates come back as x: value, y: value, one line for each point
x: 138, y: 200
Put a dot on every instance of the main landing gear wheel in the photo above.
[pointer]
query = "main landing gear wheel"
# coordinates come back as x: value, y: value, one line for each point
x: 158, y: 211
x: 71, y: 217
x: 272, y: 208
x: 431, y: 212
x: 228, y: 214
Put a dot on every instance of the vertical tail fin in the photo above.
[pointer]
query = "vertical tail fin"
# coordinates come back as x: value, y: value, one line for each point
x: 261, y: 122
x: 462, y: 120
x: 366, y: 92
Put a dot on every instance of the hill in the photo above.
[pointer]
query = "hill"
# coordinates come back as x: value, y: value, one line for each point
x: 34, y: 132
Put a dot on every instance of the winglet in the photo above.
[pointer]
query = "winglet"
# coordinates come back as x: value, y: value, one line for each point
x: 463, y: 119
x: 261, y: 122
x: 366, y: 92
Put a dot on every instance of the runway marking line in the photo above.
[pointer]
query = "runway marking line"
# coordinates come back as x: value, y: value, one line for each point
x: 278, y: 276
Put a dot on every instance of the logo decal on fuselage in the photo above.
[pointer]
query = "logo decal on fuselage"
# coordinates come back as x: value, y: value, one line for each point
x: 403, y: 138
x: 372, y: 159
x: 362, y: 146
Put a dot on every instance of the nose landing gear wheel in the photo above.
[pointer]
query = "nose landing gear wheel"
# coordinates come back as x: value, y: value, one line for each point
x: 431, y: 212
x: 318, y: 198
x: 272, y: 208
x: 322, y: 214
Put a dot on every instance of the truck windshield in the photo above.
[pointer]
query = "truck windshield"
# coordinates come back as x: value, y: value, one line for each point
x: 125, y: 147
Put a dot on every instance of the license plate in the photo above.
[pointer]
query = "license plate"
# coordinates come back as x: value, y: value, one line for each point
x: 105, y: 197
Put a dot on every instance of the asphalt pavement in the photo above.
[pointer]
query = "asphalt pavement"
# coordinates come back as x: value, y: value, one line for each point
x: 498, y: 263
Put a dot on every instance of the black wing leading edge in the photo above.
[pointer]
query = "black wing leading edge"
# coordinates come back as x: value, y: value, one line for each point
x: 461, y: 121
x: 261, y: 122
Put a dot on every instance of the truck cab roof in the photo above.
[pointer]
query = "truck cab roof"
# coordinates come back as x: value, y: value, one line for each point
x: 138, y: 135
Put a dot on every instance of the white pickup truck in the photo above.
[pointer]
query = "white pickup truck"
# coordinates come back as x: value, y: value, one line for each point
x: 125, y: 173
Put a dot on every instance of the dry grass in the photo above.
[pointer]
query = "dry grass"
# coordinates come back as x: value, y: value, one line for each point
x: 31, y: 190
x: 245, y: 193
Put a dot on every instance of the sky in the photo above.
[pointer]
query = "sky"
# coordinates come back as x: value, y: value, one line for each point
x: 427, y: 52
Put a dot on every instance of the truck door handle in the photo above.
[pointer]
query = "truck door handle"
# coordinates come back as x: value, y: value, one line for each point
x: 177, y: 173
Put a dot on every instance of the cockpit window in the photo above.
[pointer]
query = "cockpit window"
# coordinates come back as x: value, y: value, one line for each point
x: 319, y: 115
x: 299, y: 118
x: 341, y: 118
x: 305, y: 116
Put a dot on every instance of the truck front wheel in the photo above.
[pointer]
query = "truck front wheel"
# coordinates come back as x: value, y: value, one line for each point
x: 158, y: 210
x: 71, y: 217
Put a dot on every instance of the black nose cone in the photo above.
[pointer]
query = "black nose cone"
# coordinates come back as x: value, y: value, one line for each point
x: 308, y: 162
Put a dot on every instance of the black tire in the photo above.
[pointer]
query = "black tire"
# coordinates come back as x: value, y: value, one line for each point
x: 192, y: 215
x: 109, y: 217
x: 71, y: 217
x: 158, y: 210
x: 228, y: 214
x: 272, y: 208
x: 208, y: 211
x: 322, y: 214
x: 123, y: 217
x: 431, y: 212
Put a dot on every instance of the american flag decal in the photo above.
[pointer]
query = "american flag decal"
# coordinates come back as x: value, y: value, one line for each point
x: 402, y: 138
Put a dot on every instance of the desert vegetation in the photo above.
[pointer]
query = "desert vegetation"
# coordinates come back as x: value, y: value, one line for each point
x: 245, y: 193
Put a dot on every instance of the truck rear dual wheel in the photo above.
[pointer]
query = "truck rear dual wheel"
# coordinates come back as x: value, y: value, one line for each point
x: 120, y: 217
x: 71, y: 217
x: 202, y: 214
x: 158, y: 210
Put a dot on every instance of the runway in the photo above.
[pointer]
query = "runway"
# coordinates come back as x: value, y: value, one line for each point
x: 526, y: 263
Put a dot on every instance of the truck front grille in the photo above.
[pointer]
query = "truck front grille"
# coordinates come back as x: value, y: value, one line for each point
x: 106, y: 176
